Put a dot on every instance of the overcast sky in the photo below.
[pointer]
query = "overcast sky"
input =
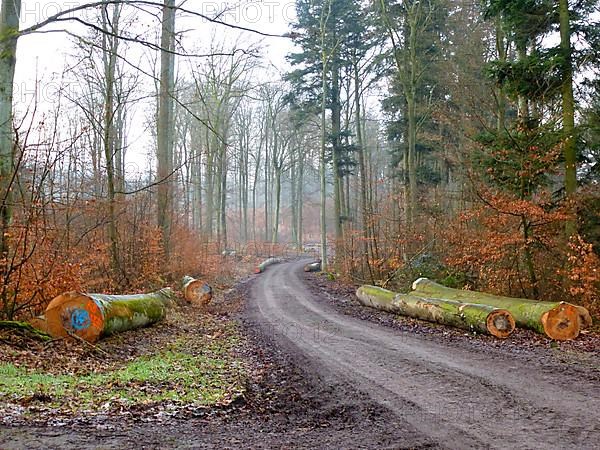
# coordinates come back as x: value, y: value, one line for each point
x: 43, y: 57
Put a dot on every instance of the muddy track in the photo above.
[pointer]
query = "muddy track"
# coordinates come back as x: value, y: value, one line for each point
x: 440, y: 395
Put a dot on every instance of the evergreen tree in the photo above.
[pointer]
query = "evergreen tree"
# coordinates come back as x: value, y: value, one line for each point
x: 415, y: 30
x: 331, y: 34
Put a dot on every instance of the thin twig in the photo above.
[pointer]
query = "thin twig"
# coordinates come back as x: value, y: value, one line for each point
x: 94, y: 347
x: 51, y: 341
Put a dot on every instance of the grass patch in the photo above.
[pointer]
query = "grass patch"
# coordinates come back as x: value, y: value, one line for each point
x: 192, y: 370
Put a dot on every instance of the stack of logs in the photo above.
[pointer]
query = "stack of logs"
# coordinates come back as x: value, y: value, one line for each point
x: 92, y: 316
x: 478, y: 311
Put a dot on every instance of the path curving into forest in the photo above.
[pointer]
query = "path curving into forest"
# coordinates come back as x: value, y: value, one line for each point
x: 439, y: 394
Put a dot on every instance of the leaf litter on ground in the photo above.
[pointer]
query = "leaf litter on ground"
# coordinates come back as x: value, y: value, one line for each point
x: 182, y: 366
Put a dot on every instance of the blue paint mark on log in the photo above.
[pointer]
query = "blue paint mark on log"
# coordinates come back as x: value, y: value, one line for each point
x: 206, y: 289
x: 80, y: 319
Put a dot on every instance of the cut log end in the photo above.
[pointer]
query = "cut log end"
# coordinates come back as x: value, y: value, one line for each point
x: 197, y: 291
x: 313, y: 267
x: 420, y: 282
x: 500, y: 323
x: 74, y: 313
x: 266, y: 263
x: 39, y: 323
x: 585, y: 318
x: 562, y: 323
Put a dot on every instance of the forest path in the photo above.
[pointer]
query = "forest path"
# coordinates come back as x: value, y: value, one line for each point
x: 445, y: 395
x: 327, y: 376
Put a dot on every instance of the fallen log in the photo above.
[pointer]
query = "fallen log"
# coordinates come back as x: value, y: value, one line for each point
x: 196, y: 291
x: 476, y: 318
x: 39, y: 323
x: 92, y: 316
x: 26, y: 329
x: 585, y: 318
x: 557, y: 320
x: 313, y: 267
x: 266, y: 263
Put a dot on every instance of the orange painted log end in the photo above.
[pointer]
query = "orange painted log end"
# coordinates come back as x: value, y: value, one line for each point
x: 198, y: 291
x: 500, y: 323
x: 562, y: 323
x: 74, y: 313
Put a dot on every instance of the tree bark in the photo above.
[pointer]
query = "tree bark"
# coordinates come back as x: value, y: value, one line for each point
x: 92, y: 316
x: 266, y: 263
x: 336, y: 111
x: 475, y: 318
x: 501, y: 49
x: 568, y: 112
x: 266, y: 180
x: 322, y: 168
x: 109, y: 49
x: 9, y: 33
x: 277, y: 195
x: 557, y: 320
x: 164, y: 124
x: 362, y: 167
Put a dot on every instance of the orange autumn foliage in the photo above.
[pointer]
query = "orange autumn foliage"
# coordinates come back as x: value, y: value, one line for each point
x: 55, y: 250
x: 488, y: 244
x: 583, y: 273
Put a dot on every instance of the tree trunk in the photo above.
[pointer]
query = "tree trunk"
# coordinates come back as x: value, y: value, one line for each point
x: 501, y: 49
x: 300, y: 207
x: 411, y: 159
x: 223, y: 202
x: 322, y: 166
x: 196, y: 291
x: 109, y: 48
x: 294, y: 200
x: 476, y: 318
x: 210, y: 184
x: 9, y: 33
x: 266, y: 180
x: 568, y: 112
x: 362, y: 167
x: 336, y: 111
x: 558, y: 320
x: 522, y: 101
x: 92, y: 316
x: 277, y: 195
x: 164, y: 124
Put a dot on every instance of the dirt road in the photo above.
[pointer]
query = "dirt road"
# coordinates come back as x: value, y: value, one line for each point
x: 442, y: 395
x: 330, y: 380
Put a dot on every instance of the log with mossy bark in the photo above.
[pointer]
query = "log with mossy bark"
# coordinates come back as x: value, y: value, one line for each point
x: 266, y: 263
x: 92, y: 316
x: 475, y: 318
x: 196, y: 291
x: 313, y: 267
x: 39, y: 323
x: 25, y: 328
x: 557, y: 320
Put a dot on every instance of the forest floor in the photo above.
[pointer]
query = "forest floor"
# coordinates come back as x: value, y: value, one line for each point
x: 291, y: 360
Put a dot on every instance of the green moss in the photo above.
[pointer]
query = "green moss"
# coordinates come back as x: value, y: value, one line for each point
x: 209, y: 376
x: 25, y: 328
